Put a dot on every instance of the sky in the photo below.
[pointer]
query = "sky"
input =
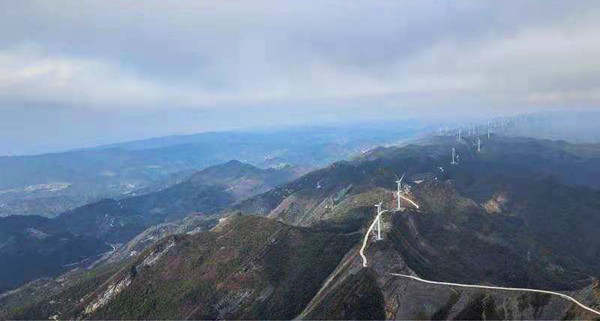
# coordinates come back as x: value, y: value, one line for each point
x: 83, y: 73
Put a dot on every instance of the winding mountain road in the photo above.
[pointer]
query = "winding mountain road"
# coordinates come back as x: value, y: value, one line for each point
x: 416, y: 278
x: 366, y: 239
x: 410, y: 201
x: 564, y: 296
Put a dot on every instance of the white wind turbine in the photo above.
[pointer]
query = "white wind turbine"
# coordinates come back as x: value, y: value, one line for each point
x: 399, y: 182
x: 379, y: 212
x: 454, y: 162
x: 478, y: 145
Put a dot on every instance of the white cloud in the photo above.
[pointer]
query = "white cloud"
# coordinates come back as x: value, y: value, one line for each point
x: 209, y: 55
x: 28, y: 75
x: 75, y: 73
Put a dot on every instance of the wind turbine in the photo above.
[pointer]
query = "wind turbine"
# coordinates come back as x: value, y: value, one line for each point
x: 488, y: 129
x: 379, y: 212
x: 453, y: 156
x: 478, y: 145
x: 399, y: 182
x: 459, y: 131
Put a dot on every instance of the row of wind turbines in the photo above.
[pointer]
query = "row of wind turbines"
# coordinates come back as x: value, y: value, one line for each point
x: 455, y: 161
x: 455, y: 156
x: 379, y: 206
x: 496, y: 124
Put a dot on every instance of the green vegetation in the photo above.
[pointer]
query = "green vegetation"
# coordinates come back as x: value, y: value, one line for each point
x: 41, y: 305
x: 249, y: 267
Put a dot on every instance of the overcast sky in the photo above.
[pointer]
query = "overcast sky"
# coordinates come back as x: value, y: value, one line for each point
x: 78, y: 73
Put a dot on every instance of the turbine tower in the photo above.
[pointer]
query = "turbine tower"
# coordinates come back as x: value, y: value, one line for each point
x: 378, y: 218
x: 459, y: 131
x: 478, y: 145
x: 488, y: 129
x: 399, y: 182
x: 379, y: 212
x: 454, y: 162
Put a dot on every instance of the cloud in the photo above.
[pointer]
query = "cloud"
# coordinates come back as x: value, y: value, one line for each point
x: 28, y: 75
x: 212, y: 54
x: 218, y: 65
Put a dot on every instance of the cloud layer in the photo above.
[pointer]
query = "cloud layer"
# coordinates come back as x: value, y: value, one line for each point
x: 416, y: 58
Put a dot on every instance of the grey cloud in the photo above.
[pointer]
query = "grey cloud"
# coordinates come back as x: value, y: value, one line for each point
x: 403, y: 58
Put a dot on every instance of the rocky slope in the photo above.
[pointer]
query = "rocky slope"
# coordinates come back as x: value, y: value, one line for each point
x: 246, y: 268
x: 189, y: 225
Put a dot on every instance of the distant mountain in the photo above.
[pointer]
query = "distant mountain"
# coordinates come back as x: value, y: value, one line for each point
x: 50, y: 184
x: 86, y: 231
x: 574, y: 126
x: 206, y: 192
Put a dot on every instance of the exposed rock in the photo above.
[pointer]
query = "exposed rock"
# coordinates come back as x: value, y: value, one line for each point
x: 108, y: 294
x: 496, y: 204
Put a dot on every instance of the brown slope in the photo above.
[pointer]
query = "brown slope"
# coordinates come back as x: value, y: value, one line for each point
x: 246, y: 268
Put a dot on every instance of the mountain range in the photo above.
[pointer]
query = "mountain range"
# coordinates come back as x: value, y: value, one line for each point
x: 50, y: 184
x: 521, y: 213
x: 33, y: 246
